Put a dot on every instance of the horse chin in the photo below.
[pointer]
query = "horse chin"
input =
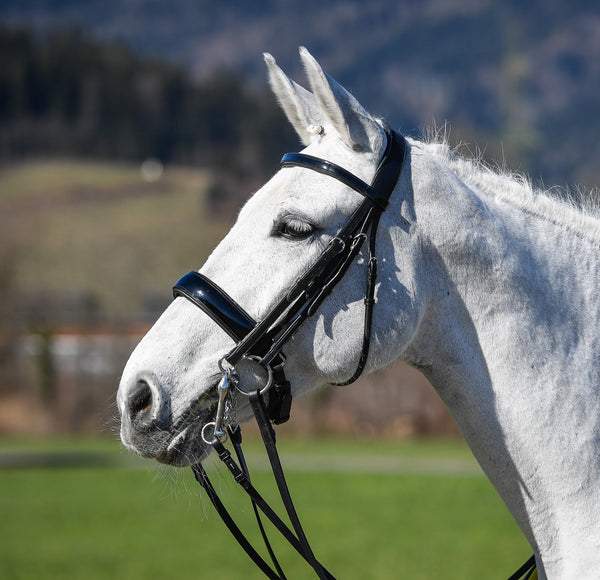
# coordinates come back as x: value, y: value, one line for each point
x: 184, y: 444
x: 185, y: 447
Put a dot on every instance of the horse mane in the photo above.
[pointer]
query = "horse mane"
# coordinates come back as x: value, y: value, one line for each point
x: 578, y: 211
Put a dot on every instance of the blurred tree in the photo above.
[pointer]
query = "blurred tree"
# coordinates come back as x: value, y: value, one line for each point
x: 66, y: 95
x: 9, y: 324
x: 517, y: 127
x: 45, y: 367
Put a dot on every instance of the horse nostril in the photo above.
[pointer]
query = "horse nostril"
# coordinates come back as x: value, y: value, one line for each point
x: 140, y: 404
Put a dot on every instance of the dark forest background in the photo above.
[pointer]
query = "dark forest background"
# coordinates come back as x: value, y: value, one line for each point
x: 64, y: 95
x: 518, y: 80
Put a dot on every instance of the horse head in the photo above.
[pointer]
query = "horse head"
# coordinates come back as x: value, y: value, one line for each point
x: 168, y: 389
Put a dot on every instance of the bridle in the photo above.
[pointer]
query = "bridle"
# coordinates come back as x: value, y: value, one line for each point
x: 262, y: 343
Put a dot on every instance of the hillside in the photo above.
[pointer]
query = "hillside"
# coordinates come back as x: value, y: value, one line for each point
x: 98, y: 239
x: 519, y: 80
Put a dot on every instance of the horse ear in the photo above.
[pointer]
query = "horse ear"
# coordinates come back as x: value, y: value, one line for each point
x: 300, y: 106
x: 357, y: 128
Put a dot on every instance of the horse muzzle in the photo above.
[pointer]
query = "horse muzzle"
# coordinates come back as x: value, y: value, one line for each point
x: 148, y: 429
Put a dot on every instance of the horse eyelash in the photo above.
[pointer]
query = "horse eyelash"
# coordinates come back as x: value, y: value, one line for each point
x: 293, y: 227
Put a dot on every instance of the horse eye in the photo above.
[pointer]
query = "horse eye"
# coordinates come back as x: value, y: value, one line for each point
x: 293, y: 228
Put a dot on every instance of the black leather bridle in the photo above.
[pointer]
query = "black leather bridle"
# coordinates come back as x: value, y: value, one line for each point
x: 263, y: 342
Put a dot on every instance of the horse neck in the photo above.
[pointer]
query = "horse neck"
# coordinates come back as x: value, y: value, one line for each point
x: 509, y: 342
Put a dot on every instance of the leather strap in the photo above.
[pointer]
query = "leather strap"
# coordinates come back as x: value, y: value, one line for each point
x: 215, y: 302
x: 269, y: 440
x: 297, y: 538
x: 386, y: 174
x: 235, y: 436
x: 526, y: 571
x: 337, y: 172
x: 203, y: 479
x: 369, y: 302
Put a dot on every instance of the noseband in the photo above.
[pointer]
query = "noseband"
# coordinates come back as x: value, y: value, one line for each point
x: 263, y: 341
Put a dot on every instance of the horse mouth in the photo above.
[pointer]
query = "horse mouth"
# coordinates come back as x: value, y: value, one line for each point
x: 185, y: 446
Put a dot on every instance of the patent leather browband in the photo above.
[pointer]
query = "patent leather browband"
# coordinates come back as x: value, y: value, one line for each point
x: 385, y: 178
x: 333, y: 170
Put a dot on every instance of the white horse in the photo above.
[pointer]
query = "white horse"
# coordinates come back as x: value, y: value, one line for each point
x: 486, y: 286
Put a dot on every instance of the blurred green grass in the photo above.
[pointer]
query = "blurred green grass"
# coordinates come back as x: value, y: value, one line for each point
x: 146, y: 522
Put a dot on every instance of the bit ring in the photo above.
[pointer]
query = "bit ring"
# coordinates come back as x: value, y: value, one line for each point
x: 269, y: 377
x: 215, y: 438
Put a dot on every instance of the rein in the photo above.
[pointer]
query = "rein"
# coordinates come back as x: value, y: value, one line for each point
x: 262, y: 343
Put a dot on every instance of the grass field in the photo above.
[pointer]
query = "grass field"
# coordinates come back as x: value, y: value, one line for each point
x: 365, y: 519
